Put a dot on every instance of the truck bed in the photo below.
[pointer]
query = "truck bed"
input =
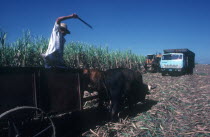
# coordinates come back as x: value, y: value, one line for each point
x: 185, y: 51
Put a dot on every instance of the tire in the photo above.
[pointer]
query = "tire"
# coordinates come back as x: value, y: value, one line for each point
x: 163, y: 73
x: 191, y: 71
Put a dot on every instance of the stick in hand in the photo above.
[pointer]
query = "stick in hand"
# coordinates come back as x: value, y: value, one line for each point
x: 85, y: 23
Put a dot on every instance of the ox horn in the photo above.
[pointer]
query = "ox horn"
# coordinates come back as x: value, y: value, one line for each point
x: 149, y: 87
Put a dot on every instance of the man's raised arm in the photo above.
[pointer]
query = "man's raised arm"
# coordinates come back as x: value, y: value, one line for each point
x: 66, y: 17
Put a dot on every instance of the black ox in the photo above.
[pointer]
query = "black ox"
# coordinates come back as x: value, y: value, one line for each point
x: 121, y: 86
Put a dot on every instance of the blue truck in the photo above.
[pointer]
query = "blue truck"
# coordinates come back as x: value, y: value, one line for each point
x: 177, y: 61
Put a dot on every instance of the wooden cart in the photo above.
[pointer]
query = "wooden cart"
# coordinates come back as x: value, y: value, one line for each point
x: 28, y: 97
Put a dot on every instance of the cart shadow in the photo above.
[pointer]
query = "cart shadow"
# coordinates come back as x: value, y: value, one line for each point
x: 76, y: 123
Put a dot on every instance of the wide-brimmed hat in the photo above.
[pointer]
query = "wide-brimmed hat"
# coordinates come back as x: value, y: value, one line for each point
x: 63, y: 26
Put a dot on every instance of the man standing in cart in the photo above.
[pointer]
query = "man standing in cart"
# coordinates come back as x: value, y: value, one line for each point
x: 54, y: 54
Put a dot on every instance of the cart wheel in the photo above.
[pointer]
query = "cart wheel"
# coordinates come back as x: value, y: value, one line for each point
x: 26, y: 121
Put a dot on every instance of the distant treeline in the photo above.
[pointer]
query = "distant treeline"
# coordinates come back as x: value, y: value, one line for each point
x: 27, y: 50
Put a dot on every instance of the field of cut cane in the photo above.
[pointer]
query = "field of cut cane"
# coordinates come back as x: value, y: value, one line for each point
x: 178, y: 106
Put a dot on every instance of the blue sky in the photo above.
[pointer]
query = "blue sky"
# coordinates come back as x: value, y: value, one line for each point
x: 143, y: 26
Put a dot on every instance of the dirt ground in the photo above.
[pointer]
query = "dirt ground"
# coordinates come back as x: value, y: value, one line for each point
x: 178, y: 106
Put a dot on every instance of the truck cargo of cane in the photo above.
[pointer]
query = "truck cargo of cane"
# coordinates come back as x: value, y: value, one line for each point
x: 181, y: 61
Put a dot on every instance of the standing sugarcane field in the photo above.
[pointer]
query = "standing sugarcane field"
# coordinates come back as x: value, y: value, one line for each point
x: 27, y: 50
x: 105, y: 68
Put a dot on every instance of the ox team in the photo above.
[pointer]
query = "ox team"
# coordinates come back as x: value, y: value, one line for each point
x: 121, y: 86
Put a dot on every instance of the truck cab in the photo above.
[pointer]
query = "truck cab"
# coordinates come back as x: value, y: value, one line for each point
x: 177, y: 61
x: 152, y: 63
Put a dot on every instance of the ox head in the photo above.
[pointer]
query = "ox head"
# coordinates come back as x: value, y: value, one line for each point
x: 140, y: 90
x: 91, y: 79
x: 143, y: 92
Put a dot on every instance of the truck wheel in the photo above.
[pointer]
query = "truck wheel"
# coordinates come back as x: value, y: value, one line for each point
x: 191, y: 71
x: 163, y: 73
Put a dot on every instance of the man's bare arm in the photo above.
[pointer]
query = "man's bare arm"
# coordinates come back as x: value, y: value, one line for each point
x: 66, y: 17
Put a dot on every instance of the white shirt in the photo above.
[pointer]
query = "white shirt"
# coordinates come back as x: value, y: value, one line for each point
x: 57, y: 41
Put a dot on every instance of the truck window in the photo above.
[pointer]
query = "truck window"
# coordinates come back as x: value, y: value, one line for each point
x: 171, y: 57
x: 150, y: 56
x: 174, y: 57
x: 166, y: 57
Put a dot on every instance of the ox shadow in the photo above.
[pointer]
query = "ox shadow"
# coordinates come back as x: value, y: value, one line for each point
x: 76, y: 123
x: 139, y: 108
